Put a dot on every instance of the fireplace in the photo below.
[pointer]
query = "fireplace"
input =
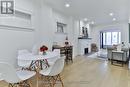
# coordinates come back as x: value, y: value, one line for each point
x: 84, y: 46
x: 85, y: 50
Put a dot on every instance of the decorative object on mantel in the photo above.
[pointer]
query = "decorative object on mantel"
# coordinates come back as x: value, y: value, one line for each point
x: 81, y: 37
x: 43, y: 49
x: 85, y: 32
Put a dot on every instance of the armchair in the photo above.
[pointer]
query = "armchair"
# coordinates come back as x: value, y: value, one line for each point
x: 117, y: 56
x: 109, y: 51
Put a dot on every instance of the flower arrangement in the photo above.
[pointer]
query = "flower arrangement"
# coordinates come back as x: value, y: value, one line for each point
x: 43, y: 49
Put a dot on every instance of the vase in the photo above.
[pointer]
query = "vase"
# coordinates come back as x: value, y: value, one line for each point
x: 66, y: 43
x: 44, y: 53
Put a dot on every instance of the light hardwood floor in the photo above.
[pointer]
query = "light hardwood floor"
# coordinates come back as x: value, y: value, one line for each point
x: 91, y: 72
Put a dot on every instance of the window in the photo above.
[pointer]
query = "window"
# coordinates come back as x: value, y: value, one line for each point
x: 110, y: 38
x: 114, y: 37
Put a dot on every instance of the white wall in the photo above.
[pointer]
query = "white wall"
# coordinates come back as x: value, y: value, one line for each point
x: 15, y: 39
x: 123, y: 27
x: 11, y: 41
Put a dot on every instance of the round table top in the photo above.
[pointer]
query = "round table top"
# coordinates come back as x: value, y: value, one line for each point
x: 30, y: 56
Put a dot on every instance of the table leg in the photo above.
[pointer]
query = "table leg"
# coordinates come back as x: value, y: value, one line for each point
x: 122, y: 59
x: 112, y: 59
x: 37, y: 73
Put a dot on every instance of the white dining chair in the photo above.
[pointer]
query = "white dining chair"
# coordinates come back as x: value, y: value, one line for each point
x: 53, y: 72
x: 15, y: 78
x: 51, y: 61
x: 24, y: 63
x: 57, y: 51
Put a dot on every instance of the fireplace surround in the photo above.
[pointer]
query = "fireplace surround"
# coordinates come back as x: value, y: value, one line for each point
x: 84, y: 46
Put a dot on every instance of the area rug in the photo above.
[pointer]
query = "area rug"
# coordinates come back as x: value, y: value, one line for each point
x: 100, y: 55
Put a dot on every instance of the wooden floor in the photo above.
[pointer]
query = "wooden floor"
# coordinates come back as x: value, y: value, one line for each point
x: 91, y: 72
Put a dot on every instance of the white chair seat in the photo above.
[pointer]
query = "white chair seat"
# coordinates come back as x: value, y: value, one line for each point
x: 24, y: 74
x: 46, y: 71
x: 52, y: 61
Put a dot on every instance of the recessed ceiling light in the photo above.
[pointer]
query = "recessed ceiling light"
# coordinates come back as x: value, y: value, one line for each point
x: 67, y: 5
x: 114, y: 19
x: 111, y: 14
x: 92, y: 22
x: 85, y: 19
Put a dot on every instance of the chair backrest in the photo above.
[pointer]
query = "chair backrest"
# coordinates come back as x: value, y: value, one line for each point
x: 119, y: 47
x: 57, y: 51
x: 57, y: 67
x: 23, y: 63
x: 8, y: 73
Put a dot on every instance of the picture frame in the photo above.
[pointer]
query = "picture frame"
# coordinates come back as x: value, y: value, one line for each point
x: 61, y: 27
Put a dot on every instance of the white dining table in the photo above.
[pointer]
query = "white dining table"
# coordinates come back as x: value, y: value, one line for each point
x: 32, y: 57
x: 37, y: 57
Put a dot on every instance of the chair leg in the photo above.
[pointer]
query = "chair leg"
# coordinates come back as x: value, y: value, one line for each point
x: 25, y: 84
x: 29, y: 83
x: 57, y: 78
x: 10, y: 85
x: 47, y: 81
x: 60, y: 80
x: 13, y: 85
x: 21, y: 84
x: 53, y: 79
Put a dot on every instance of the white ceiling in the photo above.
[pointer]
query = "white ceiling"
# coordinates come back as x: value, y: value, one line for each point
x: 95, y: 10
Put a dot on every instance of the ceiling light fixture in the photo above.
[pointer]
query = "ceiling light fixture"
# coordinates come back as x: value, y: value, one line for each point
x: 111, y: 14
x: 67, y: 5
x: 85, y: 19
x: 114, y: 19
x: 92, y: 22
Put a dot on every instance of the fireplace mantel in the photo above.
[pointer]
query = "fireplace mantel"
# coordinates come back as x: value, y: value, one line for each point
x: 84, y: 38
